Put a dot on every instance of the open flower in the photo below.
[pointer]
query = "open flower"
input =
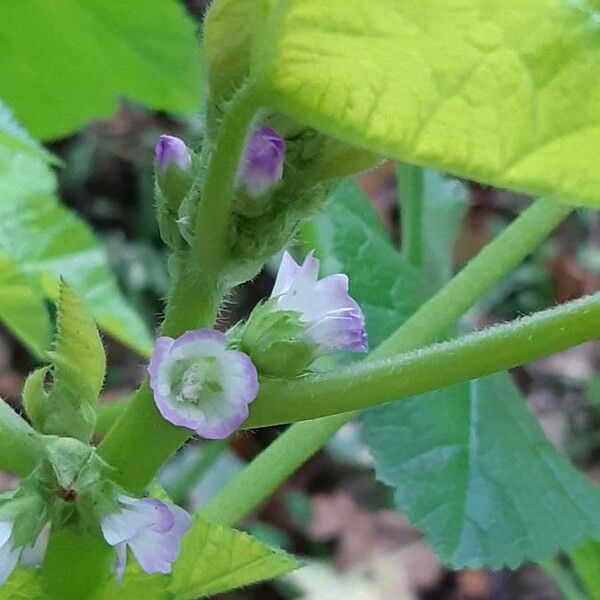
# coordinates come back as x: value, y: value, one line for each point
x: 333, y: 320
x: 262, y: 162
x: 10, y: 553
x: 150, y: 528
x: 303, y: 319
x: 170, y: 150
x: 199, y: 384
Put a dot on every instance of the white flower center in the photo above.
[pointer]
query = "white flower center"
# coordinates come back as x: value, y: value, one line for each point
x: 193, y: 381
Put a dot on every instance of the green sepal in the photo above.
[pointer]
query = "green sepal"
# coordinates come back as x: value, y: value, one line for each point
x: 76, y: 485
x: 173, y: 186
x: 25, y: 509
x: 275, y: 341
x: 78, y: 364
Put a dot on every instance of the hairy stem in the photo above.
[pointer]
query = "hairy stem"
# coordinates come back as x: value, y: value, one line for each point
x: 141, y: 440
x: 410, y: 188
x: 270, y: 468
x: 374, y: 382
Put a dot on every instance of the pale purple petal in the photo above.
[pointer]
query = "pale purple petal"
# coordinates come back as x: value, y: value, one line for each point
x: 120, y: 561
x: 9, y: 557
x: 133, y: 516
x: 6, y: 528
x: 262, y: 162
x: 171, y: 150
x: 334, y: 320
x: 155, y: 553
x: 33, y: 555
x: 286, y: 274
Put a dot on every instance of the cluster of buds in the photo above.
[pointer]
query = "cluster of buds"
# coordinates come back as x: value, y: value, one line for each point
x: 205, y: 380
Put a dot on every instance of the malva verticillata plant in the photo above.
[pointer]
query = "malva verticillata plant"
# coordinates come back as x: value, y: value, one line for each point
x: 299, y: 96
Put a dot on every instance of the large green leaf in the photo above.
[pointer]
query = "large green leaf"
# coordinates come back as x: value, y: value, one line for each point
x: 67, y: 61
x: 48, y: 241
x: 472, y: 469
x: 215, y: 559
x: 22, y: 306
x: 505, y: 92
x: 352, y: 240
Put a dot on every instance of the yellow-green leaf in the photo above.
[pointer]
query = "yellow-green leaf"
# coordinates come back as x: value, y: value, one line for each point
x: 506, y: 92
x: 23, y: 584
x: 22, y: 306
x: 215, y: 559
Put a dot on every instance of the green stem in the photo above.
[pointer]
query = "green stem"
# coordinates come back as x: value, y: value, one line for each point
x: 374, y: 382
x: 479, y: 276
x: 270, y: 468
x: 207, y: 456
x: 20, y: 447
x: 563, y: 580
x: 410, y: 188
x: 141, y: 440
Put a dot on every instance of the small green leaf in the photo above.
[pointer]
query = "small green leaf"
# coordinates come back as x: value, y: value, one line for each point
x: 502, y: 91
x: 215, y: 559
x: 22, y: 306
x: 586, y: 560
x: 23, y: 584
x: 351, y: 239
x: 78, y: 355
x: 78, y: 366
x: 473, y: 470
x: 47, y: 241
x: 136, y: 585
x: 82, y: 57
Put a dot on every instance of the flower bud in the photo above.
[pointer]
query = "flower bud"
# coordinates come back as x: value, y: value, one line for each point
x: 173, y: 183
x: 305, y: 318
x: 170, y: 150
x: 261, y: 166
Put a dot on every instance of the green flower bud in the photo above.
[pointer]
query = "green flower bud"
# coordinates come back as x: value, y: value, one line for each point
x: 275, y: 341
x: 174, y: 182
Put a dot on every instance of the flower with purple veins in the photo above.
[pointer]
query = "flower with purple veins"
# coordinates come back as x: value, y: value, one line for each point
x: 261, y: 166
x: 171, y: 150
x: 334, y: 321
x: 199, y: 384
x: 152, y: 529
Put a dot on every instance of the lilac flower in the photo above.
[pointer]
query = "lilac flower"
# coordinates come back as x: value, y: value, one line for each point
x: 333, y: 319
x: 262, y: 163
x: 10, y: 554
x: 171, y: 150
x: 152, y: 529
x: 199, y: 384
